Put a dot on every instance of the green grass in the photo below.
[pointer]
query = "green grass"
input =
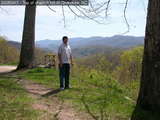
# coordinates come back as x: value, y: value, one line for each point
x: 94, y: 92
x: 14, y: 102
x: 44, y: 76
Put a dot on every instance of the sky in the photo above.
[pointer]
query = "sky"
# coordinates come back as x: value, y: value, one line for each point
x: 50, y: 25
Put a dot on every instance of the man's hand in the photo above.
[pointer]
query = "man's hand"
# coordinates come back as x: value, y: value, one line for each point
x: 60, y: 65
x: 60, y: 60
x: 71, y: 59
x: 72, y: 63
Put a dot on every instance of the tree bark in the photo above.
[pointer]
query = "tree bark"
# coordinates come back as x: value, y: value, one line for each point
x: 148, y: 102
x: 28, y: 38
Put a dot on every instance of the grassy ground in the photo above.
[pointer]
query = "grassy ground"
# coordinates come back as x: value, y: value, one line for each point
x: 92, y: 91
x: 14, y: 102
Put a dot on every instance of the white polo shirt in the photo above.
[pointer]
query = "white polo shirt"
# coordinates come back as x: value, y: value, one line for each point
x: 65, y: 52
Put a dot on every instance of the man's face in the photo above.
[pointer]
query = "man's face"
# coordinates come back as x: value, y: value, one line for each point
x: 65, y: 40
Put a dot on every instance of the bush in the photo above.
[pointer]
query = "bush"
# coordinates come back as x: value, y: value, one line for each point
x: 8, y: 54
x: 130, y: 65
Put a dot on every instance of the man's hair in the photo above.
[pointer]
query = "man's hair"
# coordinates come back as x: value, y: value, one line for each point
x: 64, y: 37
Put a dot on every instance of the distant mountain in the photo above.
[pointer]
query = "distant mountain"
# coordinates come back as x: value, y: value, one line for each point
x: 47, y: 44
x: 14, y: 44
x: 117, y: 41
x: 18, y: 46
x: 88, y: 46
x: 92, y: 50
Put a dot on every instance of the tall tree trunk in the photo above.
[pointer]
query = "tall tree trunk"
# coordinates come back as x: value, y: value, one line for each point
x: 148, y: 102
x: 28, y: 39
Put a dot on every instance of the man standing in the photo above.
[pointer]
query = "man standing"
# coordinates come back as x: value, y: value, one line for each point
x: 65, y: 61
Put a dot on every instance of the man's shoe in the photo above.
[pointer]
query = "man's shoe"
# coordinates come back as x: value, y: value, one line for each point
x: 67, y: 87
x: 61, y: 88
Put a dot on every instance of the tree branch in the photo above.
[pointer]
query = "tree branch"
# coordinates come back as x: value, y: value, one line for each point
x: 64, y: 19
x: 51, y: 9
x: 94, y: 13
x: 85, y: 15
x: 125, y: 17
x: 4, y: 10
x: 107, y: 8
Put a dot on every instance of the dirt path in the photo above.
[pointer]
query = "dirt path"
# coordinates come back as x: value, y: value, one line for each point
x: 6, y: 68
x: 45, y: 100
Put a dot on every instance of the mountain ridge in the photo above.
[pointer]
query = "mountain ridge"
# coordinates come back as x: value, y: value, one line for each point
x: 117, y: 41
x: 91, y: 45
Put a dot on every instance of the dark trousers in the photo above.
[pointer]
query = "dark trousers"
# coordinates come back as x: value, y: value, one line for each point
x: 64, y: 72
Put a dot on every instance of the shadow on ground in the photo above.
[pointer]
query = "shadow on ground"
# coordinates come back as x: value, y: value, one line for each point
x: 52, y: 92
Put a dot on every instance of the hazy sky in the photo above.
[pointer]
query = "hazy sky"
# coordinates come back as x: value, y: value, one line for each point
x: 50, y: 25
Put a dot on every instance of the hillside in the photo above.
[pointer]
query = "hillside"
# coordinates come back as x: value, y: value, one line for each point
x: 10, y: 51
x: 89, y: 46
x: 101, y: 87
x: 93, y: 50
x: 115, y: 41
x: 14, y: 44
